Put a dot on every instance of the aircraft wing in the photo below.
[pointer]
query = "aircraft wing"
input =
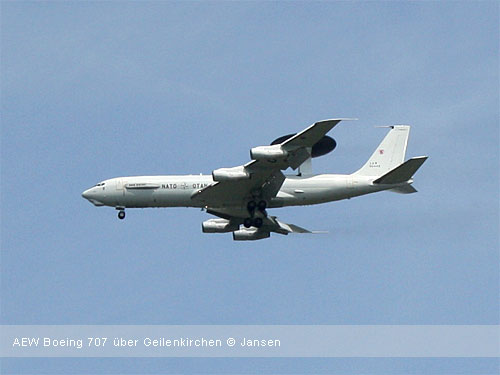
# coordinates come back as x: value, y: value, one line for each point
x: 235, y: 217
x: 264, y: 182
x: 262, y: 177
x: 312, y: 134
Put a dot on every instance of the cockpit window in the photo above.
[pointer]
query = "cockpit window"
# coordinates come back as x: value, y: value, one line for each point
x: 101, y: 184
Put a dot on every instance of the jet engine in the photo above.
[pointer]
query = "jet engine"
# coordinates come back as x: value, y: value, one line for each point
x: 250, y: 234
x: 268, y: 152
x: 236, y: 173
x: 218, y: 226
x: 324, y: 146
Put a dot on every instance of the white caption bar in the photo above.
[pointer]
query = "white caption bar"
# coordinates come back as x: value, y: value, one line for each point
x: 250, y: 341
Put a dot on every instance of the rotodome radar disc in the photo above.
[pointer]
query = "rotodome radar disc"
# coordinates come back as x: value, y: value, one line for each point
x: 322, y: 147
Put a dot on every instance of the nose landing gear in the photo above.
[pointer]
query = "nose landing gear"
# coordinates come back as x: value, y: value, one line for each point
x: 121, y: 213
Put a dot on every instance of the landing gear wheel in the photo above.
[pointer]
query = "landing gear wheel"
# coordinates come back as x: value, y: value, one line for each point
x: 247, y: 222
x: 121, y: 215
x: 262, y: 205
x: 251, y: 206
x: 257, y: 223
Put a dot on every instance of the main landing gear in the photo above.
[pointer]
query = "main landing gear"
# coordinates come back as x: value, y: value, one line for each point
x: 252, y: 205
x: 253, y: 221
x: 249, y: 222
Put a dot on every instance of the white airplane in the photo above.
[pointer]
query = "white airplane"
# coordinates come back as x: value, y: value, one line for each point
x: 240, y: 196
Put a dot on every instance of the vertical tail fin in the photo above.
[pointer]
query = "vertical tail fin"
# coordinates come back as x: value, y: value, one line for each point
x: 389, y: 154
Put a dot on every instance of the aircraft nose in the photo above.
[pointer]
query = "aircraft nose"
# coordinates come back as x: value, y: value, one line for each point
x: 86, y: 194
x: 93, y: 197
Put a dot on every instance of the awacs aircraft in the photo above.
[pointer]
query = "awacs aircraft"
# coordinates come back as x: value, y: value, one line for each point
x: 241, y: 196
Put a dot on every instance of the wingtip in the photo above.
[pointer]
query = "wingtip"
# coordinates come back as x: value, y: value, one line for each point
x: 340, y: 119
x: 306, y: 231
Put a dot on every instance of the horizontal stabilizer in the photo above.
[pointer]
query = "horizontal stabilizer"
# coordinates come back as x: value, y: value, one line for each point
x: 405, y: 189
x: 402, y: 173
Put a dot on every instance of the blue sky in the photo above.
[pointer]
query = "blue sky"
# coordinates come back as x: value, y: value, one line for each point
x: 94, y: 90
